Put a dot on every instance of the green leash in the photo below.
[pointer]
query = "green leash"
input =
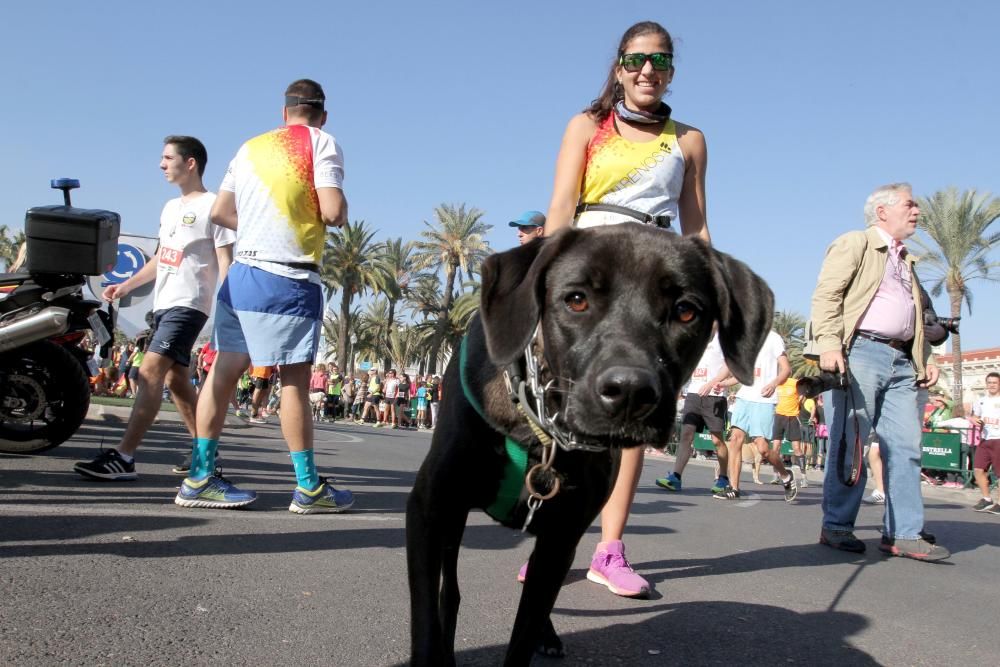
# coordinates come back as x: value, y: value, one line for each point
x: 516, y: 466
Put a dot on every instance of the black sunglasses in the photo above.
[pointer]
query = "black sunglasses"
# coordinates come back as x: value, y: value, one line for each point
x: 633, y: 62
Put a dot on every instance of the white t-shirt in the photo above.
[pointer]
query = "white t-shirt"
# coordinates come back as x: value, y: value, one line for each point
x: 274, y: 177
x: 765, y: 370
x: 708, y: 367
x: 187, y: 272
x: 988, y: 408
x: 390, y: 388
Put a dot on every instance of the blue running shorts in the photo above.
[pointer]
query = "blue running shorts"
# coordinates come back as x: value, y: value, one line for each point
x: 754, y: 418
x: 274, y: 319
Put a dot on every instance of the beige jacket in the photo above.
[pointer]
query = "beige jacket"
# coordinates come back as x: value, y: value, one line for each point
x: 851, y: 274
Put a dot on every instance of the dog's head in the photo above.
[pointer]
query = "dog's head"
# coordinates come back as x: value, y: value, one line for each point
x: 626, y: 312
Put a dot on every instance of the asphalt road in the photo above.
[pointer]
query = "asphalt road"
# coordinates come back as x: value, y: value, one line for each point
x: 116, y: 574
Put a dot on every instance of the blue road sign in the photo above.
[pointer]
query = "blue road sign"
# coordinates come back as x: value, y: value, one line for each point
x: 130, y: 260
x: 365, y: 365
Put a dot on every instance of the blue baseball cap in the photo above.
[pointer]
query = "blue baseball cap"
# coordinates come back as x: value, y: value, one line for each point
x: 529, y: 219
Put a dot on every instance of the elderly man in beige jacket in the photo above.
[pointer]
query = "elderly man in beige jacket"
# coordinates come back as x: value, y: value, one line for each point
x: 867, y: 319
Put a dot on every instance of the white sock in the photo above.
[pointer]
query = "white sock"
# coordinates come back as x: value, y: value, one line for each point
x: 126, y: 457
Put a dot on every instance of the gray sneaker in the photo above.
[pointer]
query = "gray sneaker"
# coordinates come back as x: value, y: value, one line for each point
x: 983, y: 505
x: 844, y: 540
x: 918, y: 549
x: 995, y: 509
x: 791, y: 488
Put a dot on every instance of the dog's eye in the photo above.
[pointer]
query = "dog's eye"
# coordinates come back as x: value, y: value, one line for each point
x: 685, y: 312
x: 577, y: 302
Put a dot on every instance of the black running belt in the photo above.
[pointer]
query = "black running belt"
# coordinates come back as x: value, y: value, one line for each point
x: 662, y: 221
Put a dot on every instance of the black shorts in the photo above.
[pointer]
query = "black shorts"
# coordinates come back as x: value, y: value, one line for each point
x: 374, y: 400
x: 705, y: 412
x: 402, y: 400
x: 174, y: 332
x: 787, y: 428
x: 261, y: 383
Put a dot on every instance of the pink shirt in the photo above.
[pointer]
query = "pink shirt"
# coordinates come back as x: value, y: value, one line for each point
x: 891, y: 313
x: 318, y: 381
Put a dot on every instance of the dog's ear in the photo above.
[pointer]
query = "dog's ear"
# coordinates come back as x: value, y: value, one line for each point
x: 746, y: 306
x: 513, y: 291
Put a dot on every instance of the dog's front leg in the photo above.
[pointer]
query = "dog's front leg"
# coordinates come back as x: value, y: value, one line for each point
x: 547, y: 569
x: 423, y: 560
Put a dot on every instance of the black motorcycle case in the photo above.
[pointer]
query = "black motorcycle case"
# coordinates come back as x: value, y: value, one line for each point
x: 66, y: 239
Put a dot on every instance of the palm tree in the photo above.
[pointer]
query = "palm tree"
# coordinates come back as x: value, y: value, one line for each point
x: 404, y: 346
x: 791, y: 326
x: 9, y: 246
x: 353, y: 263
x: 399, y: 260
x: 457, y: 245
x: 957, y: 223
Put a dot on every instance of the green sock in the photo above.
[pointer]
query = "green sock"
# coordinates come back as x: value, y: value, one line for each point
x: 203, y: 457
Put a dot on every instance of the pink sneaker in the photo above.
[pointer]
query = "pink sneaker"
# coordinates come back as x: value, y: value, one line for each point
x: 522, y: 573
x: 610, y: 568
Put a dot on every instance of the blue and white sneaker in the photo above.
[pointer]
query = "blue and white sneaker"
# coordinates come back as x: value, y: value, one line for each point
x: 720, y: 484
x: 323, y: 499
x: 671, y: 482
x: 215, y: 492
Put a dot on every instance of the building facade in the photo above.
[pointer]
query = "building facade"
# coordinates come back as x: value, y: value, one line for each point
x: 975, y: 365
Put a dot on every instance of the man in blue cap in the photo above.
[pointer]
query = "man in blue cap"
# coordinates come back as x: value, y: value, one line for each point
x: 530, y: 226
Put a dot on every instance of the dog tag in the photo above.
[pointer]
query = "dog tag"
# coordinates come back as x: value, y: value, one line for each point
x: 534, y: 502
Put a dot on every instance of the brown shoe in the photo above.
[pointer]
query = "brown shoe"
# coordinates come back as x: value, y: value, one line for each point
x: 918, y: 549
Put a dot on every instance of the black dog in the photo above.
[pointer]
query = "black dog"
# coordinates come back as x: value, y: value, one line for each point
x: 625, y: 312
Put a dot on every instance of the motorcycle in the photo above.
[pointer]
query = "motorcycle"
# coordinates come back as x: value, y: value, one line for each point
x: 44, y: 377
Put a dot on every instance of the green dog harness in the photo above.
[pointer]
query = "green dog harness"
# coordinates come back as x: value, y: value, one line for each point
x: 516, y: 466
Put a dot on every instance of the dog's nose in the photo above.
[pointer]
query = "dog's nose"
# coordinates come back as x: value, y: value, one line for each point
x: 628, y: 392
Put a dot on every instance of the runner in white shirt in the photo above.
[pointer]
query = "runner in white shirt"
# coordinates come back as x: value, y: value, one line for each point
x: 390, y: 391
x: 191, y: 256
x: 986, y: 414
x: 281, y: 193
x: 704, y: 408
x: 753, y: 416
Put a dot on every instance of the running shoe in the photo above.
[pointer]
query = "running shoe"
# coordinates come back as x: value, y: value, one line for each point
x: 876, y: 498
x: 776, y: 481
x: 323, y: 499
x: 983, y: 505
x: 257, y: 420
x: 184, y: 467
x: 720, y: 484
x: 671, y: 482
x: 995, y: 509
x: 109, y: 466
x: 791, y: 488
x: 728, y: 493
x: 610, y: 568
x: 214, y: 492
x: 803, y: 482
x: 918, y: 549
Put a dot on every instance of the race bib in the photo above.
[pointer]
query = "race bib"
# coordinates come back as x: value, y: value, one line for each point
x: 700, y: 372
x: 170, y: 259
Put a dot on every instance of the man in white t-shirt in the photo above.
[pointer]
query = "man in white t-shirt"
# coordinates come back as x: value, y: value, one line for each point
x: 280, y: 193
x: 191, y: 257
x: 753, y: 416
x: 986, y: 415
x: 704, y: 408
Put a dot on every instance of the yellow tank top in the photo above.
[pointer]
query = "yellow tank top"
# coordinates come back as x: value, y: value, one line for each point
x: 646, y: 175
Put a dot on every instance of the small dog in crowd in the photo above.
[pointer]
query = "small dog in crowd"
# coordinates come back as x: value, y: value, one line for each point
x: 606, y: 324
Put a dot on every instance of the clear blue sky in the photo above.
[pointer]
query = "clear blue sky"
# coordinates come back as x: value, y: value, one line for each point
x: 806, y: 106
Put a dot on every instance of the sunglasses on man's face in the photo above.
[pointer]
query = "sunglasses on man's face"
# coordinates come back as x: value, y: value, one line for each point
x: 634, y: 62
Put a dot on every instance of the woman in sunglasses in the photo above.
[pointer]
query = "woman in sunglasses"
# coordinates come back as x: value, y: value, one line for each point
x: 625, y: 159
